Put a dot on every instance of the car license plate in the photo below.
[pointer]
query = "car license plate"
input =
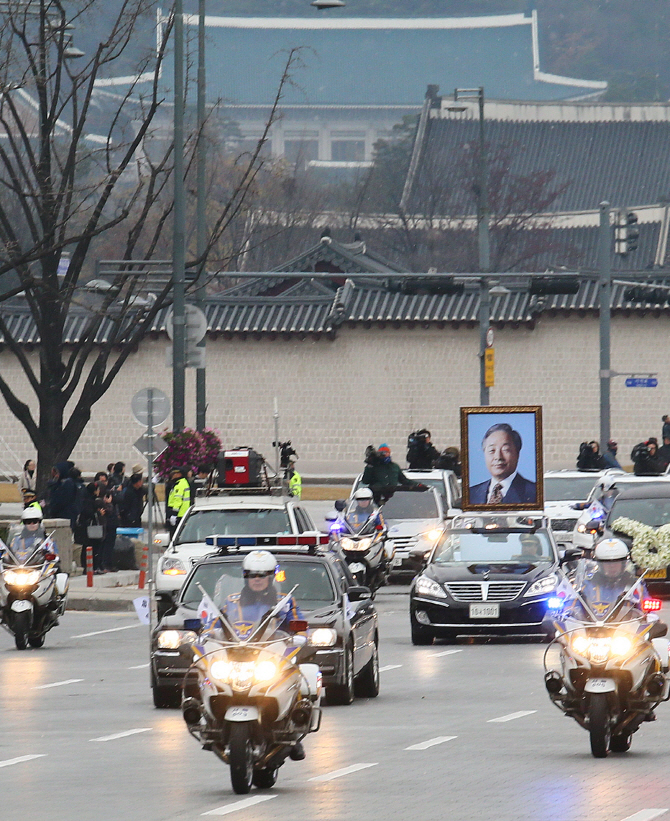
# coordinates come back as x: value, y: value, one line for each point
x: 484, y: 611
x: 657, y: 574
x: 397, y: 561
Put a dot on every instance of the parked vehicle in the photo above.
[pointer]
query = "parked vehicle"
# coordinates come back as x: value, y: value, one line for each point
x: 252, y: 702
x: 342, y: 620
x: 612, y: 666
x: 33, y: 593
x: 564, y: 490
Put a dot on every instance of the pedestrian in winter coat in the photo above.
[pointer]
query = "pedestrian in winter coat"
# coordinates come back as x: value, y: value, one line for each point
x: 110, y: 520
x: 609, y: 457
x: 89, y: 517
x: 62, y: 493
x: 383, y: 476
x: 131, y: 503
x: 27, y: 478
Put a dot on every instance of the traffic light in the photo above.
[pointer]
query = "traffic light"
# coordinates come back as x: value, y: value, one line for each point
x: 626, y: 232
x: 415, y: 286
x: 544, y: 286
x: 647, y: 294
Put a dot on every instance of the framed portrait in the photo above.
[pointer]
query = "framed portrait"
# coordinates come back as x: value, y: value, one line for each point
x: 501, y: 455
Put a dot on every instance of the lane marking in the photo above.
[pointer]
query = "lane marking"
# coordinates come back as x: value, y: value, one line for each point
x: 240, y: 805
x: 645, y: 815
x: 424, y: 745
x: 122, y: 735
x: 8, y: 762
x: 511, y: 716
x: 110, y: 630
x: 444, y: 653
x: 58, y: 683
x: 389, y: 667
x: 139, y: 666
x: 344, y: 771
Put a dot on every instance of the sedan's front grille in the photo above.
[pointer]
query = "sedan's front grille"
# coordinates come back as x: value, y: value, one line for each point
x: 563, y: 525
x: 484, y: 591
x: 404, y: 542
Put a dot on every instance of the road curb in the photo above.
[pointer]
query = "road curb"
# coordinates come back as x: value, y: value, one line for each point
x: 89, y: 603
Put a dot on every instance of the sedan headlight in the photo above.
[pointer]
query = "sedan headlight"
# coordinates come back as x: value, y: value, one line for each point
x: 22, y: 578
x: 356, y: 544
x: 541, y: 586
x: 173, y: 639
x: 323, y: 637
x: 173, y: 567
x: 427, y: 587
x: 431, y: 535
x: 581, y: 528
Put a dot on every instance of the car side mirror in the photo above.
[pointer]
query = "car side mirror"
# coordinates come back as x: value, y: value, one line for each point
x: 594, y: 526
x: 359, y: 593
x: 162, y: 539
x: 340, y: 505
x: 658, y: 630
x: 331, y: 516
x: 571, y: 554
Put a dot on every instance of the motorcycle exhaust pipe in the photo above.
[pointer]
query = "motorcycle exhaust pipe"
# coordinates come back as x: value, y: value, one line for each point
x: 553, y: 682
x: 192, y: 711
x: 301, y: 713
x: 656, y: 684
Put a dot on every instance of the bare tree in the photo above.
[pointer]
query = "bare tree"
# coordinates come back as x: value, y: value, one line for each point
x: 78, y: 167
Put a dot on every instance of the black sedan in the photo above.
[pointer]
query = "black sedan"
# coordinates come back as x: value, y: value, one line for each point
x: 648, y: 503
x: 492, y: 578
x: 343, y: 631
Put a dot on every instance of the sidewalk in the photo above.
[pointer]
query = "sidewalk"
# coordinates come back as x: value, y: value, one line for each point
x: 111, y: 592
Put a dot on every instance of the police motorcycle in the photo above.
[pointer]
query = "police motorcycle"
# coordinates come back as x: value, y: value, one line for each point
x: 612, y: 657
x: 359, y: 534
x: 33, y: 591
x: 252, y: 702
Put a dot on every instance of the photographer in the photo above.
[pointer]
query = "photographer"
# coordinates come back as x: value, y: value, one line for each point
x: 421, y: 453
x: 382, y: 475
x: 590, y: 457
x: 646, y: 461
x: 450, y: 459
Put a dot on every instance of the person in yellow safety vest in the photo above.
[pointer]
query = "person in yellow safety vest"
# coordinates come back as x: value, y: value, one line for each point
x: 179, y: 499
x: 30, y: 500
x: 294, y: 479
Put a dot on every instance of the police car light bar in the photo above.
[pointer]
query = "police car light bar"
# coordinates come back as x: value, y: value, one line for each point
x: 267, y: 541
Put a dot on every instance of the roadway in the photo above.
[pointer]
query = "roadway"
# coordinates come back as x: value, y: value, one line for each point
x: 463, y: 732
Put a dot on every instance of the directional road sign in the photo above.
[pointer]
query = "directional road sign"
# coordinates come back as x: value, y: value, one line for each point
x: 160, y: 406
x: 196, y: 324
x: 144, y: 445
x: 641, y: 382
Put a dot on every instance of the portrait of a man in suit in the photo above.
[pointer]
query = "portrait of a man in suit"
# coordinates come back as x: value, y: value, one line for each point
x: 501, y: 447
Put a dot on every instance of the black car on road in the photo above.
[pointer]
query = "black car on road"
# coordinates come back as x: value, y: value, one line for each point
x: 489, y: 576
x: 343, y: 627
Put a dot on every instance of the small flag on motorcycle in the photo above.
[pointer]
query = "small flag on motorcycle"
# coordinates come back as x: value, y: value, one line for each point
x: 142, y: 608
x: 207, y: 610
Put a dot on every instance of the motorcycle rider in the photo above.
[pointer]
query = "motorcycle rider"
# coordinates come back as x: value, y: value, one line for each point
x: 31, y: 535
x: 258, y: 595
x: 611, y: 578
x: 362, y: 508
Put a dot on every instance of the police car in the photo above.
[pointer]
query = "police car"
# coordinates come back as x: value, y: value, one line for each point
x: 343, y: 633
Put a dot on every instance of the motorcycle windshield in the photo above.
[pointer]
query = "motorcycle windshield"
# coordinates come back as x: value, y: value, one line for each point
x: 22, y: 541
x: 356, y: 515
x: 610, y: 590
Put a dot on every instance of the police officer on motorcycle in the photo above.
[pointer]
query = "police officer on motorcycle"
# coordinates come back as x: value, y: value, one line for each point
x: 31, y: 535
x: 611, y: 577
x: 361, y: 509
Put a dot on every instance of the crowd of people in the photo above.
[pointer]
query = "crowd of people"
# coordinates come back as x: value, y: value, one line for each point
x: 648, y: 457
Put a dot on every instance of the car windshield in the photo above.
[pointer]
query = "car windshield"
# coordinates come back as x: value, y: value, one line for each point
x: 466, y: 547
x: 411, y: 505
x: 221, y: 579
x: 652, y: 512
x: 202, y: 523
x: 567, y: 489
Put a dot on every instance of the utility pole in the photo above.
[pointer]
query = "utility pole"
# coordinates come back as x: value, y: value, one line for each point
x: 201, y: 374
x: 179, y: 231
x: 605, y: 301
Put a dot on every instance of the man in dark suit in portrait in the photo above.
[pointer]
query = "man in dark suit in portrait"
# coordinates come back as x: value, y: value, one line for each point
x: 501, y: 446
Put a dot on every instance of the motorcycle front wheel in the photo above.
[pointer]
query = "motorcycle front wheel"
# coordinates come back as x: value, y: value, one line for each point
x: 599, y: 725
x: 20, y: 627
x: 241, y: 758
x: 37, y: 641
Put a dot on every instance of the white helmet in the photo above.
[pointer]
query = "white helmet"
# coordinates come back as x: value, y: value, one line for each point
x: 31, y: 514
x: 363, y: 493
x: 611, y: 550
x: 259, y: 562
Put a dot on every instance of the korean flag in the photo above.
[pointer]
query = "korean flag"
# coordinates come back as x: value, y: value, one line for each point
x: 207, y: 610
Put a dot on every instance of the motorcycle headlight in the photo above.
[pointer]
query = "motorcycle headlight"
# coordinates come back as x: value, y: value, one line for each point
x: 239, y: 674
x: 621, y: 646
x: 542, y: 586
x: 323, y: 637
x: 173, y: 639
x: 173, y: 567
x: 265, y: 671
x: 580, y: 645
x: 357, y: 544
x: 597, y: 650
x: 22, y: 578
x: 427, y: 587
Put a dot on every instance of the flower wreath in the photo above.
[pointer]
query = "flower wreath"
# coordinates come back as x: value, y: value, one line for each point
x: 651, y: 545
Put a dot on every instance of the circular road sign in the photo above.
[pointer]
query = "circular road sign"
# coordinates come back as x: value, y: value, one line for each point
x: 196, y: 324
x: 160, y: 406
x: 489, y: 338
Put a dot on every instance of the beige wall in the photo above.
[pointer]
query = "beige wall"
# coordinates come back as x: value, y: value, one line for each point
x: 336, y: 396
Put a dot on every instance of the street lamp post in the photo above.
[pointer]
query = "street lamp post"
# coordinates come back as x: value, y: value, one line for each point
x: 179, y: 230
x: 483, y: 238
x: 604, y: 304
x: 201, y: 373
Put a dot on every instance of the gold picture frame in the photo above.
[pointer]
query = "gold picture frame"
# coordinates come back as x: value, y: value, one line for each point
x: 498, y: 444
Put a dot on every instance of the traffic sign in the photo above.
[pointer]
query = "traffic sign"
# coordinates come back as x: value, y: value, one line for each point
x: 489, y: 368
x: 160, y: 406
x: 144, y: 445
x: 196, y: 324
x: 489, y: 338
x: 195, y: 357
x: 641, y: 382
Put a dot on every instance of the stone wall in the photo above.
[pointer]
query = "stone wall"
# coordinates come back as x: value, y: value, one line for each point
x: 373, y: 385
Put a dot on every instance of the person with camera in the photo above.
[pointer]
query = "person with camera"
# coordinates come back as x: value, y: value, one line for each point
x: 646, y: 460
x: 383, y: 476
x: 590, y: 457
x: 421, y: 452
